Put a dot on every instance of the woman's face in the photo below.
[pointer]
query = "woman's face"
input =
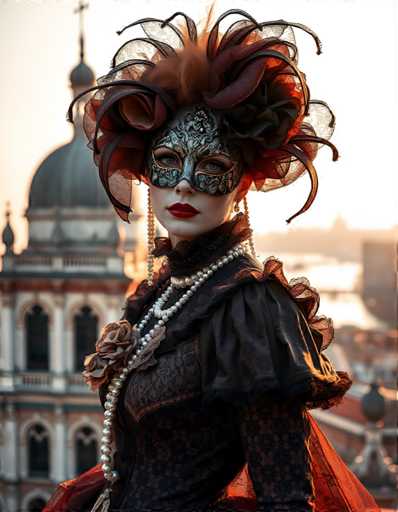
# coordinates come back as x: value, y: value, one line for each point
x: 193, y: 174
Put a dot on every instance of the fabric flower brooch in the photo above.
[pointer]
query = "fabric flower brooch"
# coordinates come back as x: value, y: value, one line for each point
x: 117, y: 344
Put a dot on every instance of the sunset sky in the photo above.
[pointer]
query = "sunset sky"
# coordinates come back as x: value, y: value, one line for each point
x: 356, y: 74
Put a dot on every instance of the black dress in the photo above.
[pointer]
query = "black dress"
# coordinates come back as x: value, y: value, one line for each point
x: 229, y: 386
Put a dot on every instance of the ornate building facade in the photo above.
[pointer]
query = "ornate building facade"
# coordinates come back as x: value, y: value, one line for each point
x: 55, y: 296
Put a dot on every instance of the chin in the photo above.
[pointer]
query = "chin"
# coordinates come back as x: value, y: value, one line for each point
x: 188, y: 228
x: 185, y: 228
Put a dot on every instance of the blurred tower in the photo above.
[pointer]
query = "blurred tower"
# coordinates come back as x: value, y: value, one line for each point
x: 379, y: 283
x: 54, y: 298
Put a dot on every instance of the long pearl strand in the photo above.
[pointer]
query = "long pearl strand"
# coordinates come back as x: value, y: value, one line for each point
x: 163, y: 315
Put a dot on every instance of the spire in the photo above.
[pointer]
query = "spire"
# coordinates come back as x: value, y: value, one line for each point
x: 80, y: 10
x: 81, y: 76
x: 8, y: 234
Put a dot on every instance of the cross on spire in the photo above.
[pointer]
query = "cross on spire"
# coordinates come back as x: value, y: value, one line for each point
x: 80, y: 10
x: 8, y: 211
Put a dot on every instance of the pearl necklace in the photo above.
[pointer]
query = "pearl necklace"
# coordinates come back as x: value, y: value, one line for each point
x: 163, y: 315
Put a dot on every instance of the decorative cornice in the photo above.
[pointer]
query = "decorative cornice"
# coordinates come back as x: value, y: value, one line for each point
x: 92, y: 283
x: 49, y: 214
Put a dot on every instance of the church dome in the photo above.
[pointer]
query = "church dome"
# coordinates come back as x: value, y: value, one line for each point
x: 68, y: 178
x: 81, y: 75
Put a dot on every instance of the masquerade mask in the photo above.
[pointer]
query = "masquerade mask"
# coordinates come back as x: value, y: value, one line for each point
x: 191, y: 148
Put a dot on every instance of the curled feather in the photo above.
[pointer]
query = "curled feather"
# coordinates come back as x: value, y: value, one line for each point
x: 309, y: 166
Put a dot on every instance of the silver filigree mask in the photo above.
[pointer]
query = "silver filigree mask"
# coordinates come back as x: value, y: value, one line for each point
x: 191, y: 147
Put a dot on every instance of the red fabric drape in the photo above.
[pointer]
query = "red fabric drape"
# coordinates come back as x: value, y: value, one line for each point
x: 337, y: 489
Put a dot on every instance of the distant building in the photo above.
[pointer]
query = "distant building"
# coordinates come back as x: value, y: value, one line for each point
x: 54, y: 298
x: 339, y: 241
x: 379, y: 283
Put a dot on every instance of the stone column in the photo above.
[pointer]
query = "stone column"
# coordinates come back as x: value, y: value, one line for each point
x: 7, y: 340
x: 12, y: 498
x: 113, y: 309
x: 58, y: 447
x: 57, y: 344
x: 20, y: 352
x: 10, y: 450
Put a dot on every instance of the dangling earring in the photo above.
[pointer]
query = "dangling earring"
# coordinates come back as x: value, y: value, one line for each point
x: 251, y: 241
x: 131, y: 213
x: 236, y: 207
x: 150, y: 238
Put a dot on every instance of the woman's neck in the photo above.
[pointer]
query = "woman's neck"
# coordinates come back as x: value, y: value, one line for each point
x: 175, y: 239
x: 188, y: 256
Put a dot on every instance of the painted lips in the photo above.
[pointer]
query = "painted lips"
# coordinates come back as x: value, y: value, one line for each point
x: 182, y: 210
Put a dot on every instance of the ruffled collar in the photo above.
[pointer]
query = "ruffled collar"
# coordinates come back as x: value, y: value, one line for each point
x: 189, y: 256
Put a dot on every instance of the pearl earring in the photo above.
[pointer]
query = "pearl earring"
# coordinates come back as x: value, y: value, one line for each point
x: 251, y: 240
x: 236, y: 207
x: 150, y: 238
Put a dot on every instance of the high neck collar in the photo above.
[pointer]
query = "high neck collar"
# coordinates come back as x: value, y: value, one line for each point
x: 189, y: 256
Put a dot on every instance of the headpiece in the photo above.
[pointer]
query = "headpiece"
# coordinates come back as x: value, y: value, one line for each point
x: 247, y: 76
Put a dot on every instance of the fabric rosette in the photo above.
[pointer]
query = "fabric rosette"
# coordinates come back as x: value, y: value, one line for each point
x: 113, y: 349
x: 248, y: 73
x: 117, y: 343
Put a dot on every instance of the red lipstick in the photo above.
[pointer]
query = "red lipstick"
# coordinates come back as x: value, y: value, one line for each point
x: 182, y: 210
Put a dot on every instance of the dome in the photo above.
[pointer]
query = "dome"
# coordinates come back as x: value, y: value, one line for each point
x: 373, y: 404
x: 68, y: 178
x: 81, y: 75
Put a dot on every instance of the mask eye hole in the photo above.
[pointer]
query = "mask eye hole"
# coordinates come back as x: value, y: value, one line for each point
x: 165, y: 157
x: 214, y: 166
x: 219, y: 164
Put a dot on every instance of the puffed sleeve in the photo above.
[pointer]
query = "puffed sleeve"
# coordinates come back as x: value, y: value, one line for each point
x: 275, y: 438
x: 262, y: 341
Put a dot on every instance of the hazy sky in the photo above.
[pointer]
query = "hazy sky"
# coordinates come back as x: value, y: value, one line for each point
x: 356, y: 75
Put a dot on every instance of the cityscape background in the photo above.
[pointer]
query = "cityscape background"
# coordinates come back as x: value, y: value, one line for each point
x: 67, y: 261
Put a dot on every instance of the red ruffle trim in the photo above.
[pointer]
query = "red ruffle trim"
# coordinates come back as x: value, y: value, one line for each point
x: 305, y: 296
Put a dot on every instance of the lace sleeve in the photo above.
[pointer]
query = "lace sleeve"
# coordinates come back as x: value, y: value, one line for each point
x: 275, y: 440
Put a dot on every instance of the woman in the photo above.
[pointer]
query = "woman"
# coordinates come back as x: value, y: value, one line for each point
x: 207, y: 379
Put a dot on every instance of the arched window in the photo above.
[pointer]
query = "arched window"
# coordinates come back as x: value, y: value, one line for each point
x: 38, y: 451
x: 36, y: 328
x: 36, y: 504
x: 86, y: 449
x: 85, y: 330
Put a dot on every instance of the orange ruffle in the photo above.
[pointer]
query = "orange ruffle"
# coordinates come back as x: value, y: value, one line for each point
x: 306, y: 297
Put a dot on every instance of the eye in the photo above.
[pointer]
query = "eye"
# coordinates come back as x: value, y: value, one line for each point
x: 168, y: 161
x: 218, y: 165
x: 166, y: 158
x: 214, y: 166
